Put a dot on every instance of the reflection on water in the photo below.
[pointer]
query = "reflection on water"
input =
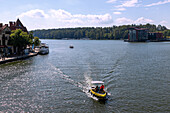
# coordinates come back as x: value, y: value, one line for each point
x: 136, y: 75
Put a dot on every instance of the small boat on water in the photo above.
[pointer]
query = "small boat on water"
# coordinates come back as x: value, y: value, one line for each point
x: 71, y: 46
x: 96, y: 92
x: 42, y: 49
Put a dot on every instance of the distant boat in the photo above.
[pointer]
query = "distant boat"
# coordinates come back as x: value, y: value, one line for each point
x: 71, y: 47
x: 43, y: 49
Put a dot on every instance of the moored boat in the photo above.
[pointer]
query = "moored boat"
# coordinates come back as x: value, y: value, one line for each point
x: 43, y: 49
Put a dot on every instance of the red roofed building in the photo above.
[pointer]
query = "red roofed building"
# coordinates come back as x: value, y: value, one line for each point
x: 137, y: 34
x: 5, y: 31
x: 17, y: 25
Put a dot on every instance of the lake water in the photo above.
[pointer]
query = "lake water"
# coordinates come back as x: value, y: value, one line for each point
x: 136, y: 75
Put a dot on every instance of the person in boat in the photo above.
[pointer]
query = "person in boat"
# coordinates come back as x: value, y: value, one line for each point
x: 102, y: 88
x: 97, y: 89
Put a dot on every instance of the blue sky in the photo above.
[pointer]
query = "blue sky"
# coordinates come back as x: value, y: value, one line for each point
x: 46, y: 14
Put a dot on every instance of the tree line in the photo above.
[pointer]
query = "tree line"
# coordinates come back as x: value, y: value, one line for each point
x: 96, y: 33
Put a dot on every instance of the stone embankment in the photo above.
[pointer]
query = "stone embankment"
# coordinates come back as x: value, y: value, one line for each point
x: 15, y: 58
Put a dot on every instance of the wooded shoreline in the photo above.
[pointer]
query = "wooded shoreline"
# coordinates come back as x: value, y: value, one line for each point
x: 97, y: 33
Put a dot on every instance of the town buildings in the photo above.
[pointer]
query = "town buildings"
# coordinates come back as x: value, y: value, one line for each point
x: 141, y: 35
x: 5, y: 31
x: 153, y: 36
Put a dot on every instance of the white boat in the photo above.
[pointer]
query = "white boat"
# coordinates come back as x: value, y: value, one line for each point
x: 43, y: 49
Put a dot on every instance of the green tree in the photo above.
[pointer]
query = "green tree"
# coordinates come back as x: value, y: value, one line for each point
x: 20, y: 40
x: 31, y: 35
x: 37, y: 41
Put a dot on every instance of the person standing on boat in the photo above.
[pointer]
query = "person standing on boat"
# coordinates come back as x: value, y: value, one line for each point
x: 102, y: 87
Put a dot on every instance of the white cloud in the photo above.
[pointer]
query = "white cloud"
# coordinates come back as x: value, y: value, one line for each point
x: 111, y: 1
x: 163, y: 22
x: 125, y: 21
x: 158, y: 3
x: 37, y: 13
x: 117, y: 13
x: 38, y: 19
x: 143, y: 20
x: 59, y: 14
x: 120, y: 9
x: 129, y: 3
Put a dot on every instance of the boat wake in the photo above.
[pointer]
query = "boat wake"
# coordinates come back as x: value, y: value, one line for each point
x: 88, y: 80
x: 84, y: 87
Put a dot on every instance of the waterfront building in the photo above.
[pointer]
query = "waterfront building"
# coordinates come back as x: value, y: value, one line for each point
x: 137, y: 34
x: 17, y: 25
x: 155, y: 36
x: 5, y: 31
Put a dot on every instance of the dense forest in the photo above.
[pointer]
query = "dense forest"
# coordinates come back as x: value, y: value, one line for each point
x: 96, y: 33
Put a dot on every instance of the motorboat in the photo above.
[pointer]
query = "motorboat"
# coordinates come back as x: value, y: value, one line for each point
x: 71, y: 46
x: 96, y: 91
x: 43, y: 49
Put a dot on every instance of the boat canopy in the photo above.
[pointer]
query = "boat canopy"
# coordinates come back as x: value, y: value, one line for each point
x: 97, y: 82
x: 44, y: 44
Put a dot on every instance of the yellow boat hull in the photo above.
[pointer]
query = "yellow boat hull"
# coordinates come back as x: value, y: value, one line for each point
x: 99, y: 95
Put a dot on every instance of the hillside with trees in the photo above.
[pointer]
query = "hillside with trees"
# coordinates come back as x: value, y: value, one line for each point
x: 98, y: 33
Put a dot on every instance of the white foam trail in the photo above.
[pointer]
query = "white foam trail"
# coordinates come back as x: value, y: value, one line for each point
x: 84, y: 88
x: 90, y: 96
x: 66, y: 77
x: 109, y: 94
x: 88, y: 80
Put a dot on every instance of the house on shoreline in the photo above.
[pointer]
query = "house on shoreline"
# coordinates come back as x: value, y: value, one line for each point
x: 17, y: 25
x: 155, y: 36
x: 137, y: 34
x: 5, y: 31
x: 142, y: 35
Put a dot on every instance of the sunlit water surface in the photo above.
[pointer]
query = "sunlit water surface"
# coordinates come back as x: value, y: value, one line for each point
x: 136, y: 75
